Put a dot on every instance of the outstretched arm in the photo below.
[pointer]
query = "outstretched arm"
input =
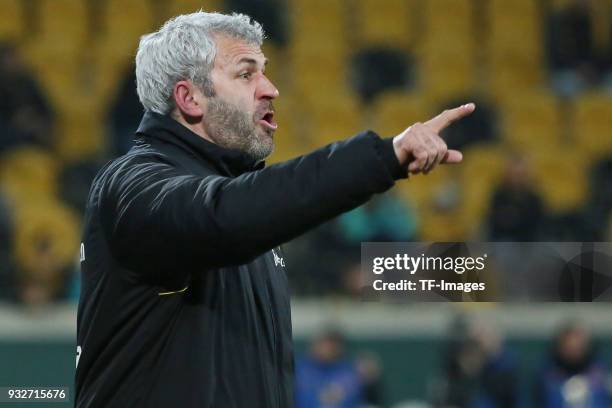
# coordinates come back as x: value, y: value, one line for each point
x: 157, y: 218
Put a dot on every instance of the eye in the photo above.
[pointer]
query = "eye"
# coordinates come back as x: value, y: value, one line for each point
x: 245, y: 75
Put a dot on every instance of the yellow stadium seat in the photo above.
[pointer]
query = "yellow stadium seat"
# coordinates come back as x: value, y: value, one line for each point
x: 528, y: 9
x: 601, y: 17
x: 308, y: 10
x: 274, y: 68
x: 560, y: 174
x: 12, y: 25
x: 446, y: 73
x: 481, y: 171
x: 447, y: 53
x: 317, y: 21
x: 290, y: 139
x: 80, y: 93
x: 63, y: 26
x: 312, y: 47
x: 420, y: 190
x: 287, y: 146
x: 58, y: 80
x: 390, y: 22
x: 592, y: 124
x: 443, y: 226
x: 334, y: 118
x: 449, y: 16
x: 394, y: 111
x: 124, y: 22
x: 45, y: 224
x: 37, y: 57
x: 130, y: 18
x: 532, y: 120
x: 79, y: 136
x: 524, y: 48
x: 514, y: 45
x: 319, y: 48
x: 28, y: 171
x: 508, y: 77
x: 80, y: 86
x: 319, y: 51
x: 318, y: 82
x: 432, y: 197
x: 105, y: 77
x: 177, y: 7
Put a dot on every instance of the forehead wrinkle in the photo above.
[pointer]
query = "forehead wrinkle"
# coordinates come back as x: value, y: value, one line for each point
x: 231, y: 51
x: 237, y: 53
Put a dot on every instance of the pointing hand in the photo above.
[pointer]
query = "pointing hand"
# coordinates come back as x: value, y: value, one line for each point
x: 421, y: 148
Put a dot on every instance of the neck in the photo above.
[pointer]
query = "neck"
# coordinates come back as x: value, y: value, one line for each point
x: 195, y: 126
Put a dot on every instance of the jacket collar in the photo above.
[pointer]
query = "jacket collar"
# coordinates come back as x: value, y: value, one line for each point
x: 230, y: 161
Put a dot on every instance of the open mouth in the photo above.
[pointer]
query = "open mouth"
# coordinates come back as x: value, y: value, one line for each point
x: 267, y: 120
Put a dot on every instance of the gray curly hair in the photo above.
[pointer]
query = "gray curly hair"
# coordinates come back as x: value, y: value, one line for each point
x: 184, y: 49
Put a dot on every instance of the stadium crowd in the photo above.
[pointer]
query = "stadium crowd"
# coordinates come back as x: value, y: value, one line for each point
x: 478, y: 370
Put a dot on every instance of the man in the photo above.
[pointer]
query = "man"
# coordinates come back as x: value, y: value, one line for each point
x: 574, y: 375
x: 184, y: 300
x: 326, y: 377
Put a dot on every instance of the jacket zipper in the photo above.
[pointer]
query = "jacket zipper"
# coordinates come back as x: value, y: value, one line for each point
x: 277, y: 359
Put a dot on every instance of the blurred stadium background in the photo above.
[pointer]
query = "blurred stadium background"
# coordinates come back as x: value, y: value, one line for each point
x: 538, y: 167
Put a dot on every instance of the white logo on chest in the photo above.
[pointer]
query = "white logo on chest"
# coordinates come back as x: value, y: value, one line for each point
x: 278, y: 260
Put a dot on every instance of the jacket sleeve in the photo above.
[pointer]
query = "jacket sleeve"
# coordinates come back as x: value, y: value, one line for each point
x: 155, y: 217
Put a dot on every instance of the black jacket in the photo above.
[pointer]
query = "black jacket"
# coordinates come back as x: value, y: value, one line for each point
x: 184, y: 298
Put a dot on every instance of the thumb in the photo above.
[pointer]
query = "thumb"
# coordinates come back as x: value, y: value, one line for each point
x: 452, y: 156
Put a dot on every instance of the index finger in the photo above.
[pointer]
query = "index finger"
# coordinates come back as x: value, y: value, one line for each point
x: 449, y: 116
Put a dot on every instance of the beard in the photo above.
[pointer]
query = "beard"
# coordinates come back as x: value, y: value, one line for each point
x: 232, y: 128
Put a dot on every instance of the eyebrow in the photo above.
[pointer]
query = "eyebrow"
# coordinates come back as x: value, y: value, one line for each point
x: 251, y: 61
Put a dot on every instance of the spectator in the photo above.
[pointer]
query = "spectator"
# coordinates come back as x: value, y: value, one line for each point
x: 125, y: 115
x: 516, y: 209
x: 44, y: 281
x: 45, y: 250
x: 574, y: 376
x: 369, y: 369
x: 599, y: 206
x: 326, y: 378
x: 478, y: 372
x: 25, y: 115
x: 608, y: 63
x: 499, y: 386
x: 569, y: 226
x: 312, y: 277
x: 461, y: 364
x: 75, y: 181
x: 6, y: 238
x: 572, y: 54
x: 385, y: 218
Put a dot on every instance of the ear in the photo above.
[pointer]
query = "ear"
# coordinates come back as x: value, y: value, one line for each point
x: 188, y: 99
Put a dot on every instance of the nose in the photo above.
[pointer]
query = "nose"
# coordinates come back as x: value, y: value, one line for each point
x: 266, y: 89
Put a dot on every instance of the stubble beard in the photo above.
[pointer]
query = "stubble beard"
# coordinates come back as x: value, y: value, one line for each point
x: 232, y: 128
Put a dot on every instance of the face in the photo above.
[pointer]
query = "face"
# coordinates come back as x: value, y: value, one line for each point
x: 327, y: 348
x: 574, y: 345
x: 239, y: 113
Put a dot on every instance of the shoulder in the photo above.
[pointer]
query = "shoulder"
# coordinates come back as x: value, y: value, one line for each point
x: 137, y: 161
x: 141, y: 164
